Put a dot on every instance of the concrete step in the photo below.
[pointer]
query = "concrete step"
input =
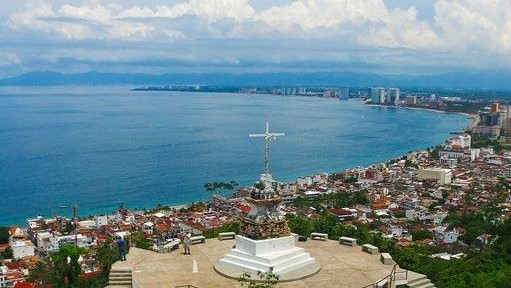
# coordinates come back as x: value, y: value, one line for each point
x: 120, y: 274
x: 429, y: 285
x: 258, y: 263
x: 301, y: 263
x: 417, y: 280
x: 125, y: 270
x: 121, y: 269
x: 115, y: 283
x: 423, y: 283
x: 400, y: 283
x: 119, y: 278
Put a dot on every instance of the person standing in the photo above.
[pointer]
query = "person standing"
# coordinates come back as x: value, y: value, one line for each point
x: 186, y: 243
x: 121, y: 247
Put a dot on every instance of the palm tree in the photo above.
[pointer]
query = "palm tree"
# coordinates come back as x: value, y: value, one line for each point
x: 212, y: 187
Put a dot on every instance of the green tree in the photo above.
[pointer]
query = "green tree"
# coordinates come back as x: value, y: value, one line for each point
x: 43, y: 273
x: 66, y: 263
x: 324, y: 223
x: 233, y: 226
x: 213, y: 187
x: 141, y: 241
x: 299, y: 224
x: 301, y: 202
x: 266, y: 279
x: 360, y: 197
x: 342, y: 200
x: 7, y: 253
x: 421, y: 234
x: 4, y: 235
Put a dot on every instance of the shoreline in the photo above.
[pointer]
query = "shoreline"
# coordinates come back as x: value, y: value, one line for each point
x: 473, y: 117
x: 473, y: 122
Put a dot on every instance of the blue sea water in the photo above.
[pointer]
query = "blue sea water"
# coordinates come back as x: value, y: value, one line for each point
x: 98, y: 146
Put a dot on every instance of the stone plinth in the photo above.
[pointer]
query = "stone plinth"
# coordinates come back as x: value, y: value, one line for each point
x: 263, y: 230
x: 288, y: 261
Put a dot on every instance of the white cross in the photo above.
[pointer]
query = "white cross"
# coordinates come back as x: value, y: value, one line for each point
x: 267, y: 138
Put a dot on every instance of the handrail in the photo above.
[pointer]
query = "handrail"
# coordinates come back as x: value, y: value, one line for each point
x: 186, y: 286
x: 391, y: 276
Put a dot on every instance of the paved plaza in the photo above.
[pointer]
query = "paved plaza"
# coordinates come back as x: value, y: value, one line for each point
x: 341, y: 266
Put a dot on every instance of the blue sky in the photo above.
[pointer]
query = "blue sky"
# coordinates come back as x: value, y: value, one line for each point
x: 380, y: 36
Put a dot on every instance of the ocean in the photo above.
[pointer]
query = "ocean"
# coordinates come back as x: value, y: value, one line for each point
x: 97, y: 147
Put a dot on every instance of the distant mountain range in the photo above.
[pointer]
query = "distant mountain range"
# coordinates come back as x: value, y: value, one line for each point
x: 464, y: 80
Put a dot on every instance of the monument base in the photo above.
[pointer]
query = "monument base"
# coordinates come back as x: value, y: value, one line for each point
x: 288, y: 261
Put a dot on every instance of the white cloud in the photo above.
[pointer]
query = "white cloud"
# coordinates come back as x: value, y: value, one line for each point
x: 8, y: 59
x: 89, y: 21
x: 332, y: 30
x: 475, y: 24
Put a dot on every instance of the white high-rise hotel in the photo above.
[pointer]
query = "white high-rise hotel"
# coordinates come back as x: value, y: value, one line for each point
x: 381, y: 95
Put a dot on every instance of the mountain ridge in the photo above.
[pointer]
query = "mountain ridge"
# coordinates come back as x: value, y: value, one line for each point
x: 453, y: 80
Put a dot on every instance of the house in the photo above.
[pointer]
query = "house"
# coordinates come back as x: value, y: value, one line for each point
x: 47, y: 242
x: 81, y: 240
x: 100, y: 220
x: 147, y: 228
x: 485, y: 240
x: 19, y: 244
x: 9, y: 277
x: 416, y: 213
x: 344, y: 213
x: 22, y: 248
x: 451, y: 236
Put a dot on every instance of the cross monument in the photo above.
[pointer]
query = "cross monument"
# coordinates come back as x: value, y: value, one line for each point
x: 267, y: 139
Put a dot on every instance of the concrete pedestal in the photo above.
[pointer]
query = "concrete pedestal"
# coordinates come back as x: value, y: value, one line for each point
x: 288, y: 261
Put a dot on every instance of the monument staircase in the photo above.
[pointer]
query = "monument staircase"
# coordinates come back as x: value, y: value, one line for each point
x: 421, y: 282
x: 401, y: 278
x: 120, y: 277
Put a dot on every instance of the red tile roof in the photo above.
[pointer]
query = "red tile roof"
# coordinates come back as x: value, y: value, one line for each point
x: 340, y: 211
x: 244, y: 208
x: 24, y: 285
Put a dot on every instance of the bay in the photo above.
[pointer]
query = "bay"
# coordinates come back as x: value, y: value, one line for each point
x: 99, y: 146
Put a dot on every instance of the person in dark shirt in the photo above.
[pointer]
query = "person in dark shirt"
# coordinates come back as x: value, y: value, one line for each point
x: 121, y: 247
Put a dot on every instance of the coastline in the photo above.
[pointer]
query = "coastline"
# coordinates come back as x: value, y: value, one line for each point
x: 473, y: 117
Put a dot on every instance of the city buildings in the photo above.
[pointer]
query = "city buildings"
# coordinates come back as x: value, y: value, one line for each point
x: 441, y: 175
x: 344, y: 93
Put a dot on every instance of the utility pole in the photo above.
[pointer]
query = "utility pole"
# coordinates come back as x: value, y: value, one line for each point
x: 76, y: 225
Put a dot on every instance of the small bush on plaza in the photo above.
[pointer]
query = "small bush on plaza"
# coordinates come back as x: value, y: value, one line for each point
x: 266, y: 279
x: 226, y: 227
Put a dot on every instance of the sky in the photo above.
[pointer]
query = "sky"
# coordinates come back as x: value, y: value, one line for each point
x: 155, y: 36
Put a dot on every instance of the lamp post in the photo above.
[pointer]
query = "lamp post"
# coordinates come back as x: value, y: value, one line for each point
x: 75, y: 207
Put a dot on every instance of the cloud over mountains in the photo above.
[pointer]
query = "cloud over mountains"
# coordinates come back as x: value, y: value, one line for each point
x: 239, y: 35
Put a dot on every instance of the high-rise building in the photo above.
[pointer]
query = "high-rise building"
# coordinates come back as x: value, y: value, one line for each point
x: 329, y: 93
x: 489, y: 119
x: 494, y: 107
x: 344, y: 93
x: 507, y: 125
x: 377, y: 95
x: 382, y: 95
x: 411, y: 100
x: 392, y: 96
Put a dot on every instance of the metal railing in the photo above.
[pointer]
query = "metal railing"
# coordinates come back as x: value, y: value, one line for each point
x: 391, y: 277
x: 186, y: 286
